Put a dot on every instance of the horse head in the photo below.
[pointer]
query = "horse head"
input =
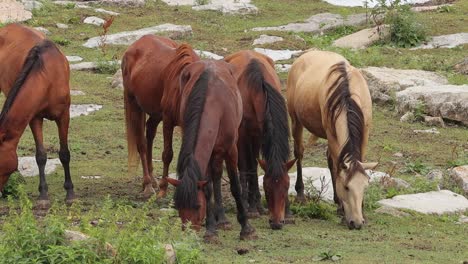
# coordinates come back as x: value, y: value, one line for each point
x: 351, y: 184
x: 276, y: 193
x: 193, y: 215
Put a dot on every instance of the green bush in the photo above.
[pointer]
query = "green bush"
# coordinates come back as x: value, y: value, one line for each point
x: 314, y: 210
x: 61, y: 41
x: 107, y: 67
x: 13, y: 184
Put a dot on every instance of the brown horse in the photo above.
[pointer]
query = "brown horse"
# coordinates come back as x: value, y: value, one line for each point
x: 211, y: 108
x: 34, y: 76
x: 264, y: 126
x: 151, y: 67
x: 331, y: 99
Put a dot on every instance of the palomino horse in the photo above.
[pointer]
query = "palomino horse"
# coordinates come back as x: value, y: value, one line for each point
x: 264, y: 126
x: 35, y: 79
x: 151, y: 67
x: 211, y: 108
x: 330, y: 98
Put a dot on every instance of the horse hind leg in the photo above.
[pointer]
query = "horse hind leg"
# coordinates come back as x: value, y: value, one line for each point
x: 151, y: 128
x: 43, y: 201
x: 64, y: 155
x: 167, y: 155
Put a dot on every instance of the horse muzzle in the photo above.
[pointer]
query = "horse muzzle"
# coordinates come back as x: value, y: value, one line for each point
x: 276, y: 226
x: 355, y: 225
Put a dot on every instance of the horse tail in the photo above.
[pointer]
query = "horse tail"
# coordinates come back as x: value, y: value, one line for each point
x: 33, y: 63
x: 275, y: 144
x: 130, y: 124
x: 188, y: 169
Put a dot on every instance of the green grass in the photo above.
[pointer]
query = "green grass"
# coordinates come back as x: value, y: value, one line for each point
x: 98, y: 146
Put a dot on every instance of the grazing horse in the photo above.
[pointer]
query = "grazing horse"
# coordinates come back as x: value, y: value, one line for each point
x: 150, y: 69
x: 264, y: 126
x: 34, y: 76
x: 211, y: 109
x: 330, y: 98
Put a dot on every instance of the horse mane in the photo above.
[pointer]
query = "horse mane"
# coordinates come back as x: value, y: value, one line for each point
x: 33, y: 63
x: 188, y: 170
x: 340, y: 100
x: 275, y: 143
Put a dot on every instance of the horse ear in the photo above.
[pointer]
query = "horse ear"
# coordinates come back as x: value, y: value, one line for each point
x: 289, y: 164
x: 174, y: 182
x: 369, y: 165
x: 201, y: 184
x: 262, y: 164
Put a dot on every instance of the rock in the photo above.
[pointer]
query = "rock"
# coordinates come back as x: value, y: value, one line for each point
x: 112, y: 13
x: 75, y: 92
x: 283, y: 67
x: 377, y: 176
x: 91, y: 177
x: 434, y: 121
x: 170, y: 254
x: 400, y: 184
x: 427, y: 8
x: 460, y: 175
x: 398, y: 155
x: 391, y: 211
x: 265, y: 39
x: 43, y: 30
x: 363, y: 38
x: 388, y: 81
x: 462, y: 67
x: 447, y: 101
x: 277, y: 55
x: 74, y: 58
x: 12, y: 11
x: 88, y: 66
x: 436, y: 202
x: 435, y: 175
x: 445, y: 41
x: 31, y: 5
x: 128, y: 37
x: 117, y: 80
x: 371, y: 3
x: 463, y: 219
x: 387, y: 181
x: 208, y: 55
x: 427, y: 131
x: 319, y: 23
x: 62, y: 26
x: 124, y: 2
x: 229, y: 8
x: 407, y: 117
x: 94, y: 21
x: 27, y: 166
x: 83, y: 109
x: 75, y: 235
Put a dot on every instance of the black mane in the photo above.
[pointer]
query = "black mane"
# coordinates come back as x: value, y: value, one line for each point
x: 275, y: 144
x: 340, y: 100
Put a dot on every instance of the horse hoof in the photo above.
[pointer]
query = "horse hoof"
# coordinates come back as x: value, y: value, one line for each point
x: 253, y: 214
x: 43, y: 204
x: 301, y: 199
x: 224, y: 225
x: 162, y: 193
x: 248, y: 234
x: 211, y: 238
x: 148, y: 192
x: 69, y: 202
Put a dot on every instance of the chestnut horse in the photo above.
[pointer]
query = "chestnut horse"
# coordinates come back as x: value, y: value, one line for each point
x: 34, y: 76
x: 330, y: 98
x: 150, y: 69
x: 264, y: 126
x: 211, y: 108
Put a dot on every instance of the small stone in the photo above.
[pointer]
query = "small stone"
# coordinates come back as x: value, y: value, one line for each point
x: 76, y: 92
x: 435, y: 175
x: 463, y: 219
x: 43, y: 30
x: 460, y: 175
x: 299, y: 38
x: 462, y: 67
x: 74, y: 58
x: 407, y: 117
x: 94, y: 21
x: 391, y: 211
x: 62, y: 26
x: 170, y: 254
x: 91, y: 177
x: 434, y: 121
x: 427, y: 131
x: 31, y: 5
x: 208, y: 55
x: 265, y: 39
x: 398, y: 155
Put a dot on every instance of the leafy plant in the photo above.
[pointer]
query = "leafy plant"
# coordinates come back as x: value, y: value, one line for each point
x: 314, y: 210
x: 103, y: 34
x: 13, y: 185
x: 107, y: 67
x: 328, y: 255
x: 416, y: 167
x: 202, y: 2
x: 61, y: 41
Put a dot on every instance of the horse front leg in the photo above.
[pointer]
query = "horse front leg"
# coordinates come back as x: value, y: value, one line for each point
x: 64, y: 155
x: 168, y: 153
x: 297, y: 130
x: 41, y: 160
x: 216, y: 174
x: 151, y: 128
x: 331, y: 167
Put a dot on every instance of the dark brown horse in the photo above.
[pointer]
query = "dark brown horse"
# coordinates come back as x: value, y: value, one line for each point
x: 151, y: 67
x: 211, y: 108
x: 264, y: 127
x: 34, y: 76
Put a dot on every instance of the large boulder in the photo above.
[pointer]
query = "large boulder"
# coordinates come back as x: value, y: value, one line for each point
x: 460, y: 176
x: 363, y: 38
x: 277, y: 55
x: 13, y: 11
x: 447, y: 101
x: 27, y: 166
x: 445, y: 41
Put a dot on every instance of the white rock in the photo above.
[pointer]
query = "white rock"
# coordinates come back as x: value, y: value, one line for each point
x: 112, y: 13
x: 283, y: 67
x: 371, y: 3
x: 445, y: 41
x: 27, y: 166
x: 434, y: 121
x: 83, y: 109
x: 427, y: 131
x: 117, y: 80
x: 43, y: 30
x: 97, y: 21
x: 208, y: 55
x: 88, y: 66
x: 91, y: 177
x: 277, y: 55
x: 446, y: 101
x: 463, y: 219
x: 62, y: 26
x: 265, y: 39
x: 319, y: 23
x: 229, y: 8
x: 363, y: 38
x: 75, y: 235
x: 74, y: 58
x: 428, y: 8
x: 435, y: 175
x: 128, y: 37
x: 31, y: 5
x: 12, y: 11
x: 76, y: 92
x: 436, y: 202
x: 460, y: 175
x: 407, y: 117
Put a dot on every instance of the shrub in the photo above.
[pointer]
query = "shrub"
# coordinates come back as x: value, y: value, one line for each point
x: 13, y: 185
x: 314, y: 210
x: 107, y: 67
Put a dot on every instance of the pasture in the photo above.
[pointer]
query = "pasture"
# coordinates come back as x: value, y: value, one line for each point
x: 109, y: 196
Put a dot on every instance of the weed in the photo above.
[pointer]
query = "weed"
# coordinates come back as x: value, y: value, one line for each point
x: 328, y: 255
x: 13, y: 184
x: 445, y: 9
x: 61, y: 41
x: 372, y: 195
x: 46, y: 9
x: 70, y: 5
x: 416, y: 167
x: 103, y: 34
x: 107, y: 67
x: 314, y: 210
x: 391, y: 192
x: 202, y: 2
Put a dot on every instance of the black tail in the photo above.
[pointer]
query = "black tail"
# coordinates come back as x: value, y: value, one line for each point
x: 33, y: 63
x: 275, y: 144
x: 187, y: 168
